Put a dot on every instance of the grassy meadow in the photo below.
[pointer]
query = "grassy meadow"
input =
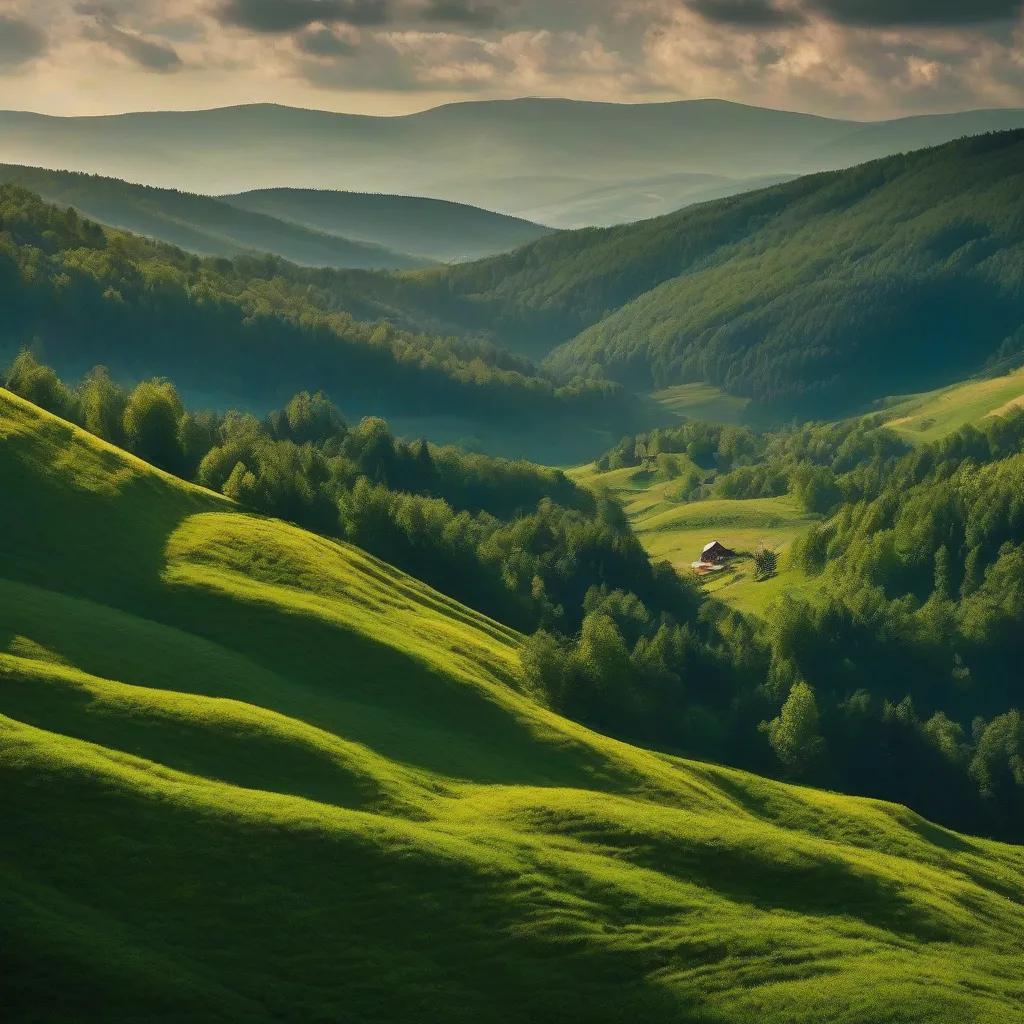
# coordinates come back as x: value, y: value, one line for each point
x: 922, y: 419
x: 250, y: 774
x: 702, y: 402
x: 675, y: 530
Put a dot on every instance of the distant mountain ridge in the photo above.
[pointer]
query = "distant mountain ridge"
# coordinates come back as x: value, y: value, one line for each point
x: 525, y: 158
x: 206, y: 226
x: 434, y: 229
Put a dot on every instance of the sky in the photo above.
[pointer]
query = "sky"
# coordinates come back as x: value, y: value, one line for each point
x: 850, y: 58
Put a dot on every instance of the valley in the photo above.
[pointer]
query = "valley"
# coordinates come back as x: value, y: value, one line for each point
x: 485, y: 602
x: 305, y: 741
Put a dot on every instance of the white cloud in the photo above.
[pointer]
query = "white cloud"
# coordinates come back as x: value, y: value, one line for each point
x: 395, y: 55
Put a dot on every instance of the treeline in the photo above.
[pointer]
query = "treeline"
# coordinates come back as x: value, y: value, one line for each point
x: 822, y: 465
x: 916, y: 644
x: 256, y: 327
x: 516, y: 541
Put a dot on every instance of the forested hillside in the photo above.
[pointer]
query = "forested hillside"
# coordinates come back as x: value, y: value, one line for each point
x: 895, y: 658
x: 807, y: 297
x: 442, y: 231
x: 891, y: 277
x: 250, y: 774
x: 255, y: 330
x: 203, y: 225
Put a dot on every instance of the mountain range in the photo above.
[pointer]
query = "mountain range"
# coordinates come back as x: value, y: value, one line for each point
x: 564, y: 163
x: 310, y: 228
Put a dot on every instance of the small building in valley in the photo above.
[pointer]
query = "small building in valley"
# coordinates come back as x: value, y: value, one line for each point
x: 716, y: 554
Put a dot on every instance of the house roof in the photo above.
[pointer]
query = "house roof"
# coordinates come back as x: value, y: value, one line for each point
x: 713, y: 544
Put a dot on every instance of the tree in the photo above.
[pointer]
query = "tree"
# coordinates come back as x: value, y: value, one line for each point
x: 151, y: 421
x: 795, y: 735
x: 40, y: 385
x: 766, y: 563
x: 103, y: 403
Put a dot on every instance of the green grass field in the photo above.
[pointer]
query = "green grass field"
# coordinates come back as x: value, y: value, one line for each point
x: 675, y: 530
x: 702, y: 402
x: 253, y: 775
x: 922, y: 419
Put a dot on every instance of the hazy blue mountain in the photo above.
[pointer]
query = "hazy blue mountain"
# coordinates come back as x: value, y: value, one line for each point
x: 200, y: 224
x: 431, y: 228
x: 516, y: 157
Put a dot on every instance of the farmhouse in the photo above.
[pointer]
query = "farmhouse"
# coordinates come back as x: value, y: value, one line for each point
x: 715, y: 554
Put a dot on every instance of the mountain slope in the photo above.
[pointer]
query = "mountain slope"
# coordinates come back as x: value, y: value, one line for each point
x: 434, y: 229
x: 896, y: 276
x: 250, y: 774
x: 812, y: 296
x: 498, y: 155
x: 204, y: 225
x: 253, y: 331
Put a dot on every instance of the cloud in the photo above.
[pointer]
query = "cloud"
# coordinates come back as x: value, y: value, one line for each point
x: 279, y: 17
x: 20, y: 42
x: 894, y: 13
x: 147, y: 53
x: 461, y: 12
x: 747, y: 13
x: 325, y: 43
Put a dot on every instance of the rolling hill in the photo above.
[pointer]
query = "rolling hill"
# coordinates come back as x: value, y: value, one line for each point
x: 434, y: 229
x: 204, y: 225
x: 813, y: 297
x: 533, y: 158
x: 251, y: 774
x: 251, y: 332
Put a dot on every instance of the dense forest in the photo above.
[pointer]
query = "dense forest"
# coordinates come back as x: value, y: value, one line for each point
x: 831, y: 290
x: 899, y: 680
x: 899, y: 677
x: 260, y: 329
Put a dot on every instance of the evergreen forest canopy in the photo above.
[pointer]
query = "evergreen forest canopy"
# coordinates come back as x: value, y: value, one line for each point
x: 899, y: 680
x: 811, y: 297
x: 260, y: 328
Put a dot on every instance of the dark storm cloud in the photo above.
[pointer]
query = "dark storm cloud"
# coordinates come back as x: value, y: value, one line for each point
x: 924, y: 13
x: 461, y: 12
x: 746, y: 13
x: 148, y: 54
x: 282, y: 16
x: 324, y: 43
x: 20, y: 42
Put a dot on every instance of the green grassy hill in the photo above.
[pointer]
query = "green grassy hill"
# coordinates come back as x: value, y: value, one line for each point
x: 204, y: 225
x: 924, y: 418
x: 250, y: 774
x: 434, y: 229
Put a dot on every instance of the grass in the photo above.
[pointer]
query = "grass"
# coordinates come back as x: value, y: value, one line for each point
x: 922, y: 419
x: 703, y: 402
x: 252, y: 775
x: 676, y: 530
